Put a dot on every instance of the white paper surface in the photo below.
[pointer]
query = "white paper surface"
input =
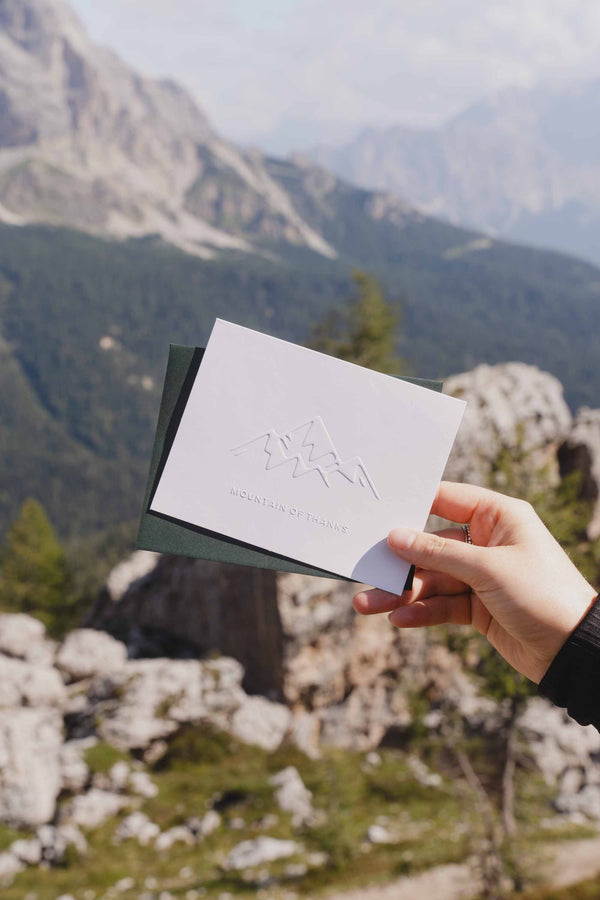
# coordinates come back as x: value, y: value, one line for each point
x: 305, y: 455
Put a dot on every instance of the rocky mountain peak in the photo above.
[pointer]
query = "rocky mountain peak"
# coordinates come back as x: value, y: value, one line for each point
x: 87, y: 142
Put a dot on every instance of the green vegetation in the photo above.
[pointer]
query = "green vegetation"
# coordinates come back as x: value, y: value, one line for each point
x: 204, y: 768
x: 586, y: 890
x: 34, y: 576
x: 85, y: 326
x: 362, y: 332
x: 102, y: 757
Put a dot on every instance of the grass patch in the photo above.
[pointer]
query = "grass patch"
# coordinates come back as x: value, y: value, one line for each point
x: 102, y: 757
x: 204, y: 769
x: 8, y: 835
x: 586, y: 890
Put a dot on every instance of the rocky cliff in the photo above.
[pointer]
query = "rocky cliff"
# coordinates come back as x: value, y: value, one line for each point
x: 203, y: 654
x: 89, y: 143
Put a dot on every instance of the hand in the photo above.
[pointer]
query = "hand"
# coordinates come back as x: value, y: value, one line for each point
x: 514, y: 583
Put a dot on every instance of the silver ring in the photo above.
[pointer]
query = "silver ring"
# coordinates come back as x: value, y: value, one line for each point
x: 467, y: 530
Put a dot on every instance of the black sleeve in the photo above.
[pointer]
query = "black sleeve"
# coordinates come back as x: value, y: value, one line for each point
x: 573, y: 677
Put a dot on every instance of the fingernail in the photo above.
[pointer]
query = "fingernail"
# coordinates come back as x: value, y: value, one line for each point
x: 402, y: 615
x: 401, y: 538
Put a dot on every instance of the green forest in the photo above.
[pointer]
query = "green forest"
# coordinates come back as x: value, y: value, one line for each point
x: 85, y: 326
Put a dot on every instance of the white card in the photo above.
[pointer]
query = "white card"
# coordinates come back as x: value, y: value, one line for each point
x: 305, y: 455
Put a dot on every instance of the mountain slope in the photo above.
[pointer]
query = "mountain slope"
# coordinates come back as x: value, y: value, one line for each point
x: 522, y: 164
x: 85, y: 322
x: 87, y: 142
x: 85, y: 326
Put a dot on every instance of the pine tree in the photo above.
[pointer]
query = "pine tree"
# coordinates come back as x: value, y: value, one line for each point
x: 364, y: 331
x: 34, y: 575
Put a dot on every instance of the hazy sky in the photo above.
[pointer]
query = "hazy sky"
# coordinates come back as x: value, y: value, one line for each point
x: 291, y: 73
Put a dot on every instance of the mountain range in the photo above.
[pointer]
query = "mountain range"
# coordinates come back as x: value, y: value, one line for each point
x: 129, y: 223
x: 522, y: 165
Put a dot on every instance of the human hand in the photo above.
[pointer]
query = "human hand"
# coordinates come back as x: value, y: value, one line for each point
x: 514, y: 583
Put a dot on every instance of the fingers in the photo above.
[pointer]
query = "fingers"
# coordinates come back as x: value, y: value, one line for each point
x: 369, y: 603
x: 438, y: 554
x: 459, y: 502
x: 425, y: 584
x: 454, y: 610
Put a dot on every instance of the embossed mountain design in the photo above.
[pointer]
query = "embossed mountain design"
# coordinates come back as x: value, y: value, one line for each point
x: 310, y: 448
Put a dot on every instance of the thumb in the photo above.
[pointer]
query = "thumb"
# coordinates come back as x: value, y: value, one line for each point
x: 438, y: 554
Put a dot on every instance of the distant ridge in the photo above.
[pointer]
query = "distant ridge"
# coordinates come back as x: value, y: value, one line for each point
x: 521, y: 165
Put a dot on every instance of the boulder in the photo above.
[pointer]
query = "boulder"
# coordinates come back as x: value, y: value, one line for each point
x: 30, y: 780
x: 256, y: 852
x: 262, y: 722
x: 29, y: 684
x: 139, y: 827
x: 9, y: 867
x: 202, y: 826
x: 86, y: 652
x: 74, y: 771
x: 193, y: 607
x: 27, y: 850
x: 24, y: 637
x: 581, y: 452
x: 293, y: 796
x: 512, y: 406
x: 381, y: 834
x: 586, y: 802
x: 92, y: 809
x: 141, y: 783
x: 149, y: 699
x: 558, y: 743
x: 179, y: 834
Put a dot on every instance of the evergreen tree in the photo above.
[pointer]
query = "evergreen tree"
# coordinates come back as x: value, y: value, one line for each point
x: 362, y: 332
x: 34, y: 575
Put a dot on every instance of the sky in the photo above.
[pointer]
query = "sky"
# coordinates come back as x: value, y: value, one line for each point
x: 290, y: 74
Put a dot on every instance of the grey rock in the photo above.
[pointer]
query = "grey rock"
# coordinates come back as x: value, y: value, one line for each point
x: 423, y: 774
x: 9, y: 867
x: 581, y: 452
x: 585, y: 801
x: 29, y: 684
x: 119, y: 775
x: 55, y: 840
x: 293, y: 796
x: 179, y: 834
x: 306, y: 731
x: 514, y: 407
x: 30, y: 781
x: 93, y: 808
x: 256, y: 852
x: 205, y: 606
x: 380, y: 834
x: 137, y: 826
x: 557, y: 741
x: 24, y: 637
x: 27, y: 850
x: 87, y: 652
x: 73, y: 837
x: 146, y: 700
x: 202, y: 826
x: 262, y: 722
x: 141, y: 783
x: 74, y: 771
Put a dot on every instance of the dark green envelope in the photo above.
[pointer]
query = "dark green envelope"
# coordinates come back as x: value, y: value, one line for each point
x: 167, y: 535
